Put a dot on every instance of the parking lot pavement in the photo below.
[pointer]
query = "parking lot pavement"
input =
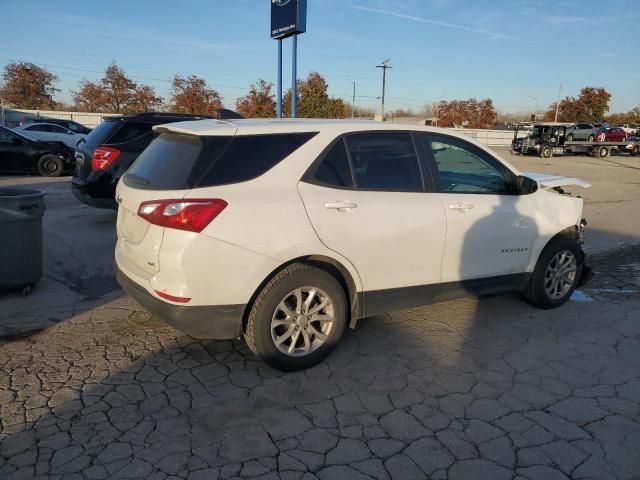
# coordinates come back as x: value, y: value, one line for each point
x: 78, y: 261
x: 489, y: 388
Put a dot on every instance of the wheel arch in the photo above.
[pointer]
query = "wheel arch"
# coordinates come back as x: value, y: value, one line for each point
x: 570, y: 231
x: 331, y: 266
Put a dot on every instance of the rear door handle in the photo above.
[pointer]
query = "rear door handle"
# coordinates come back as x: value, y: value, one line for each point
x: 341, y: 205
x: 461, y: 206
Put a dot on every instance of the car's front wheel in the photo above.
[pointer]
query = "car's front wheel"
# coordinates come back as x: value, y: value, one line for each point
x: 297, y: 318
x: 50, y: 166
x: 557, y: 273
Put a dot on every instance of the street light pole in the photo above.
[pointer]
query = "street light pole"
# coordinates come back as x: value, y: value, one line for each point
x: 535, y: 100
x: 353, y: 100
x: 279, y: 86
x: 384, y: 67
x: 558, y: 102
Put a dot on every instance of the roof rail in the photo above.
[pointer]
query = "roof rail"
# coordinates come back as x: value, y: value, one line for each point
x: 167, y: 114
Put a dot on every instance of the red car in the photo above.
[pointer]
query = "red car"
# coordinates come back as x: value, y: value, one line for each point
x: 614, y: 134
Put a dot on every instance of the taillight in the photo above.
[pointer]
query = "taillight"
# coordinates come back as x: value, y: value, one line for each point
x: 103, y: 157
x: 192, y: 215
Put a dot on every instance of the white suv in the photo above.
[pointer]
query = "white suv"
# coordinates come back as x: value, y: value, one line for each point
x: 286, y: 231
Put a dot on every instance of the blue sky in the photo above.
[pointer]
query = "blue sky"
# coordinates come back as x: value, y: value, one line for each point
x: 508, y: 50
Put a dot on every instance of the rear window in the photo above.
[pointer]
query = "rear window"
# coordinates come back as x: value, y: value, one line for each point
x: 176, y: 162
x: 97, y: 136
x: 171, y: 162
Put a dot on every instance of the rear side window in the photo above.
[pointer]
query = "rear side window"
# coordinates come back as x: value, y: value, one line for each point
x: 334, y: 168
x: 249, y: 156
x: 129, y: 131
x: 384, y: 161
x: 38, y: 128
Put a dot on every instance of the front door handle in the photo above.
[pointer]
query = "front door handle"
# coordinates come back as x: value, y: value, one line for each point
x: 341, y: 205
x: 461, y: 206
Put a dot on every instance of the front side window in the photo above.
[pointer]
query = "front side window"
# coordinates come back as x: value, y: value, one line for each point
x: 384, y: 161
x: 57, y: 129
x: 465, y: 168
x: 6, y: 137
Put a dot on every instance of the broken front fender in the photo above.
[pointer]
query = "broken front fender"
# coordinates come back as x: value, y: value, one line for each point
x: 554, y: 181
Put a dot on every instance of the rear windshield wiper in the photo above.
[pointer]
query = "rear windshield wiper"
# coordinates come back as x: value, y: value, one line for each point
x: 136, y: 179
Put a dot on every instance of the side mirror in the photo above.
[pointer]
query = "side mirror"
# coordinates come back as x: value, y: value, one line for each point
x: 526, y: 185
x: 16, y: 141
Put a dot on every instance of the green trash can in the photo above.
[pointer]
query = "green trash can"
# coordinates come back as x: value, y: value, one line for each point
x: 21, y: 212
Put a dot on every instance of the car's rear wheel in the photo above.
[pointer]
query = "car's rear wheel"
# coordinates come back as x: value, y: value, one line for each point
x: 297, y: 318
x: 557, y: 273
x: 50, y: 166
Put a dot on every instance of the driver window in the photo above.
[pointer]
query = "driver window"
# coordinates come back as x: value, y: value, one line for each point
x: 464, y: 168
x: 6, y: 137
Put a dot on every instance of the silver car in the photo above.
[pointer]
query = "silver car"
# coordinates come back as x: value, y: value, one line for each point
x: 581, y: 131
x: 49, y: 132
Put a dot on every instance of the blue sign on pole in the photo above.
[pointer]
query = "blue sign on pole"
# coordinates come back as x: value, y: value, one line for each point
x: 288, y: 17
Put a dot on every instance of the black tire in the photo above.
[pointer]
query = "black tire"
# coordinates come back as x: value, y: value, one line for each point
x: 50, y: 166
x: 570, y: 137
x: 546, y: 151
x: 590, y: 138
x: 258, y: 334
x: 602, y: 152
x: 536, y: 293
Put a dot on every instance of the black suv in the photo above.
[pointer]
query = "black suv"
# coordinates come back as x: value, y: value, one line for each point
x: 110, y: 149
x: 20, y: 154
x: 75, y: 127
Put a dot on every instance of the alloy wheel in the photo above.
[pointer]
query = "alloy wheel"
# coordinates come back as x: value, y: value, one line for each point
x: 302, y: 321
x: 560, y: 274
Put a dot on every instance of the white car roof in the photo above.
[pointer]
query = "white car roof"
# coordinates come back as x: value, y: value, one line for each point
x: 284, y: 125
x: 288, y: 125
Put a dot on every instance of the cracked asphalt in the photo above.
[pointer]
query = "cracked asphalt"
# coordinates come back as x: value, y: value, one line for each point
x: 93, y: 387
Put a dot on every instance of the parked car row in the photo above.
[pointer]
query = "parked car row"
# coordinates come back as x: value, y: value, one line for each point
x: 598, y: 132
x: 47, y: 146
x: 110, y: 149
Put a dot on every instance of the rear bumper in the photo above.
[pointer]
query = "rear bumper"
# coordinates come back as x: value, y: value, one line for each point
x: 220, y: 322
x: 81, y: 192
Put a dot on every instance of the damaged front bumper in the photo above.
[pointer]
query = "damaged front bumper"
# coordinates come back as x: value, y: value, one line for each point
x: 587, y: 272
